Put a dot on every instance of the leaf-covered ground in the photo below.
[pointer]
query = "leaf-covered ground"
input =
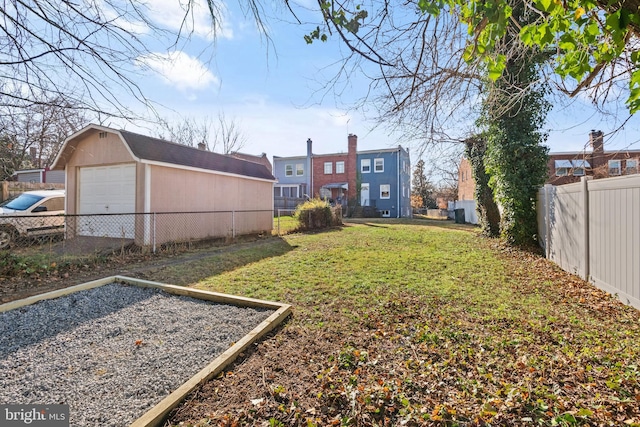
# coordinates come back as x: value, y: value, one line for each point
x: 402, y: 323
x: 407, y: 324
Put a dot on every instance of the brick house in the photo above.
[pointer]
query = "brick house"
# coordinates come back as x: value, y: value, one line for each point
x: 379, y: 179
x: 466, y: 184
x: 261, y: 159
x: 570, y: 166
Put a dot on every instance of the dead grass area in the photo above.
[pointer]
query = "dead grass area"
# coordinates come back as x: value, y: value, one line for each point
x: 413, y: 323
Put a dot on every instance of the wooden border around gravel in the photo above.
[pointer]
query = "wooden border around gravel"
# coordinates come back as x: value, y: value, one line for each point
x: 156, y: 415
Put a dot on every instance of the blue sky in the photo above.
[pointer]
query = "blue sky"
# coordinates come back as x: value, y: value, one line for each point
x: 275, y: 91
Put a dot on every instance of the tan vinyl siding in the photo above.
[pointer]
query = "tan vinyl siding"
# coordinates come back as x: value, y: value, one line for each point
x: 175, y: 190
x: 93, y: 151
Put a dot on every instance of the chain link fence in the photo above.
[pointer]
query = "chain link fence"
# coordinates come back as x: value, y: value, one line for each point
x: 81, y: 234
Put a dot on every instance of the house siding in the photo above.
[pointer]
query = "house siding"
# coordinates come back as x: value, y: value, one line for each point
x: 396, y: 174
x: 279, y: 170
x: 175, y: 190
x: 466, y: 184
x: 170, y: 190
x: 94, y: 151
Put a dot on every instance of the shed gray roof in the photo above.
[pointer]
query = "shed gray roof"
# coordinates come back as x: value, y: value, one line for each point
x: 159, y: 150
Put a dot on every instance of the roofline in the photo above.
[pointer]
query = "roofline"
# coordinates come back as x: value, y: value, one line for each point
x: 99, y: 128
x: 29, y: 170
x: 345, y: 153
x: 289, y: 158
x: 383, y: 150
x: 153, y: 162
x: 211, y: 171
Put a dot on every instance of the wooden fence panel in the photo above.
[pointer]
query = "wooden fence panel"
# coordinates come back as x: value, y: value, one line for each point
x: 11, y: 189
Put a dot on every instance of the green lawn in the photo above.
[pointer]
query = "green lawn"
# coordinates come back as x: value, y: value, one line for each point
x: 432, y: 323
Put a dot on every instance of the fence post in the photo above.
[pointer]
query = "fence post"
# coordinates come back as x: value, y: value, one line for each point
x: 585, y: 208
x: 233, y: 224
x: 154, y: 232
x: 547, y: 219
x: 278, y: 222
x: 5, y: 191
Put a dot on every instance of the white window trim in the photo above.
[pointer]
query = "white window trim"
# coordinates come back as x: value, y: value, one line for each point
x: 328, y: 168
x: 626, y: 168
x: 562, y: 171
x: 618, y: 167
x: 339, y: 166
x: 576, y: 172
x: 299, y: 168
x: 375, y: 165
x: 388, y: 191
x: 286, y: 170
x: 363, y: 163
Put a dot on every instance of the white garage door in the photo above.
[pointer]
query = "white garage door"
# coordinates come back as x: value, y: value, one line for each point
x: 107, y: 190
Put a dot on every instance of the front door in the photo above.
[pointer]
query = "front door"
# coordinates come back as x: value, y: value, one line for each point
x: 364, y: 194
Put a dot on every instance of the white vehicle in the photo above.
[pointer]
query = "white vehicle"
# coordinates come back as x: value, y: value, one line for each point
x: 32, y: 214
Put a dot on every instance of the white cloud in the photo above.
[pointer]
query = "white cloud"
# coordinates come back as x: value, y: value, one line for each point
x: 180, y: 70
x: 175, y: 15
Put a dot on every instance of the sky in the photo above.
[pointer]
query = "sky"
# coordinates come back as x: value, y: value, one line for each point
x: 277, y: 91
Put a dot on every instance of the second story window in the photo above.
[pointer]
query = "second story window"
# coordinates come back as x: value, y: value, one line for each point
x: 299, y: 169
x: 339, y: 167
x: 563, y: 167
x: 378, y: 165
x: 614, y: 167
x: 365, y: 165
x: 288, y: 170
x: 632, y: 166
x: 328, y: 168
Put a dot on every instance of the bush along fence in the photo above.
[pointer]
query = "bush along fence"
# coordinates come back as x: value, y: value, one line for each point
x: 89, y: 233
x: 592, y: 229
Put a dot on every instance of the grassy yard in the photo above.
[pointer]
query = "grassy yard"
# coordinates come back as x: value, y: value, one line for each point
x: 418, y: 322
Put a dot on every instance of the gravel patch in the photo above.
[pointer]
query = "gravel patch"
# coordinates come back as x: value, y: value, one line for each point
x: 113, y: 352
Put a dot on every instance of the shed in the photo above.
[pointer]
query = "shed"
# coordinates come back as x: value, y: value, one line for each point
x: 137, y: 177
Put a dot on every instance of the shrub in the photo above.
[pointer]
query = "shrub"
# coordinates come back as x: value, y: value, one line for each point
x: 317, y: 213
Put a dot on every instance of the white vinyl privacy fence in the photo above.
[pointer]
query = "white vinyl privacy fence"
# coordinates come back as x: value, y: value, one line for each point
x: 592, y: 229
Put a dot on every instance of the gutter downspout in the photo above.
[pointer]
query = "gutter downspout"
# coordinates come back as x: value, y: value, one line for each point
x: 398, y: 182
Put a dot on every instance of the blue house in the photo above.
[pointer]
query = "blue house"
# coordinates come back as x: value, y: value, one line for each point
x: 294, y: 179
x: 385, y: 181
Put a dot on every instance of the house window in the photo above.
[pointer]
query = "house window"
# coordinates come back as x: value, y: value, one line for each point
x: 563, y: 167
x: 291, y: 191
x: 299, y: 169
x: 614, y: 167
x: 385, y: 191
x: 632, y: 166
x: 385, y: 213
x: 580, y: 167
x: 378, y: 165
x: 365, y: 165
x: 276, y: 191
x: 339, y: 167
x: 288, y: 170
x: 328, y: 168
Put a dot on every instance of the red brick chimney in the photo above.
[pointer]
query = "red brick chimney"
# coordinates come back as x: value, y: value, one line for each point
x: 352, y: 165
